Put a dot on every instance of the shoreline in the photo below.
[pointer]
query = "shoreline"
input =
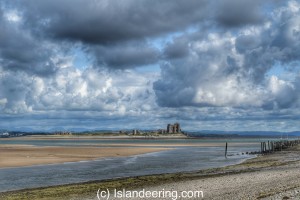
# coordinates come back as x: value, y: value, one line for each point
x: 97, y: 137
x: 270, y: 171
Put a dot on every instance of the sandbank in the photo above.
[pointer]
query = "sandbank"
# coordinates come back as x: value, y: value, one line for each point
x: 27, y: 155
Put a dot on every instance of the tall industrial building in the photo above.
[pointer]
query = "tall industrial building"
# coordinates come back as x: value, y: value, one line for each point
x: 173, y: 128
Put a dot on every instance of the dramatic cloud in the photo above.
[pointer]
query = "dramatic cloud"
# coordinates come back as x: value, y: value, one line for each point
x: 224, y: 64
x: 108, y: 21
x: 20, y: 51
x: 208, y: 76
x: 230, y: 69
x: 233, y: 13
x: 87, y: 90
x: 124, y: 56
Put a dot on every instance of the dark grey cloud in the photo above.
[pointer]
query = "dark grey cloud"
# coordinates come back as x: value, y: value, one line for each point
x: 178, y: 49
x: 25, y: 55
x: 125, y: 55
x: 113, y: 31
x: 235, y: 13
x: 105, y: 26
x: 20, y: 51
x: 106, y: 21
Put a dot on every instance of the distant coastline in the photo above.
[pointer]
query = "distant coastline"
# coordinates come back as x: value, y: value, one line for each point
x: 153, y: 134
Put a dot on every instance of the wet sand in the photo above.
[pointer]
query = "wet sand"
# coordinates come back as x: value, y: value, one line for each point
x: 27, y: 155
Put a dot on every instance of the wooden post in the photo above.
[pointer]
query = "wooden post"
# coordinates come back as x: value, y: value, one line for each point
x: 265, y: 147
x: 268, y: 146
x: 226, y: 150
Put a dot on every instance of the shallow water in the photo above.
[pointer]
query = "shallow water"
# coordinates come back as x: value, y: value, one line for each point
x: 76, y: 142
x: 179, y: 159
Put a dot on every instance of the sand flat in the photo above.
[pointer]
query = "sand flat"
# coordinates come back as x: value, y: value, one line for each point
x: 27, y: 155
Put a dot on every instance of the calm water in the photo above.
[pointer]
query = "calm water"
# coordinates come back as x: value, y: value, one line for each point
x: 75, y: 142
x: 176, y: 160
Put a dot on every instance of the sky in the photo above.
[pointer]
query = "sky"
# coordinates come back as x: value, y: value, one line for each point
x: 229, y: 65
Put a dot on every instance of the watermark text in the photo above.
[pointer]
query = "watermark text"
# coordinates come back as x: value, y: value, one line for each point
x: 147, y: 194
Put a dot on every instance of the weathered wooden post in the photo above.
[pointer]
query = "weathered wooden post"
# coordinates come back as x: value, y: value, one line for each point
x: 265, y: 147
x: 226, y: 150
x: 268, y: 146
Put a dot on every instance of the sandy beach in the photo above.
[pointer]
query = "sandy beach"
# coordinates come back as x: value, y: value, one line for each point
x: 273, y: 176
x: 27, y: 155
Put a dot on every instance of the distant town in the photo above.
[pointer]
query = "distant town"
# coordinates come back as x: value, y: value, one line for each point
x: 171, y: 130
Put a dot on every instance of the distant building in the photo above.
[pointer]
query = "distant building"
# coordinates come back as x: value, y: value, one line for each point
x: 170, y: 128
x: 63, y: 133
x: 134, y: 132
x: 173, y: 128
x: 162, y: 131
x: 4, y: 135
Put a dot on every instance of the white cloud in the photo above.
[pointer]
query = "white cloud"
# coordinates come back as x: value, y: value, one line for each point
x: 228, y: 68
x: 13, y: 16
x: 70, y: 89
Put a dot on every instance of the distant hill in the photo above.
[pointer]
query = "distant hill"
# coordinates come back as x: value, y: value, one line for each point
x: 217, y: 133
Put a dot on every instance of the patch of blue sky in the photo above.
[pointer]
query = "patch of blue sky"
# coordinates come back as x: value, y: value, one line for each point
x: 80, y: 58
x: 153, y: 68
x: 276, y: 70
x: 284, y: 72
x: 160, y: 42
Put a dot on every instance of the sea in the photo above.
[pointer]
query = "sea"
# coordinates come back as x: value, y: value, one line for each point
x: 178, y: 159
